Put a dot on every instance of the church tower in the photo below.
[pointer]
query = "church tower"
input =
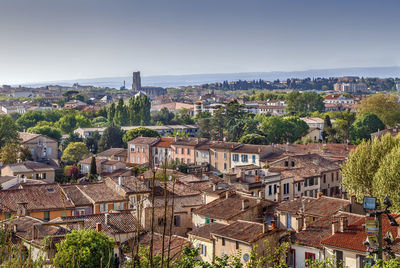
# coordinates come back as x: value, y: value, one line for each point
x: 136, y: 83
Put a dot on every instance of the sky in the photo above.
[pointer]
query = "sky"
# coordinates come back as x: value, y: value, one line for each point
x: 49, y: 40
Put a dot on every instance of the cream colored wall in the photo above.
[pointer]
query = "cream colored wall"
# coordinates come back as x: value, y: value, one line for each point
x: 230, y: 248
x: 50, y: 175
x: 33, y: 144
x: 196, y: 241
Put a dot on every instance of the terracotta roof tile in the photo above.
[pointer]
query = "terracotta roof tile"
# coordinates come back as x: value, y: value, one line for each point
x: 206, y: 230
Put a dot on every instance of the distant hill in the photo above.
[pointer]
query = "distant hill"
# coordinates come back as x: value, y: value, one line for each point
x: 196, y: 79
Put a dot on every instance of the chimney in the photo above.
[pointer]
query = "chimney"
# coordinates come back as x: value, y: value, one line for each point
x: 22, y: 209
x: 300, y: 222
x: 15, y: 228
x: 106, y: 218
x: 335, y: 227
x: 343, y: 222
x: 98, y: 227
x: 265, y: 227
x: 226, y: 194
x: 353, y: 200
x: 120, y: 180
x: 214, y: 187
x: 245, y: 204
x: 320, y: 195
x: 261, y: 194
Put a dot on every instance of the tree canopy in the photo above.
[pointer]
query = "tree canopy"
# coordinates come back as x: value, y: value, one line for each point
x: 8, y: 130
x: 48, y: 131
x: 385, y: 106
x: 84, y: 248
x: 112, y: 137
x: 139, y: 131
x: 364, y: 125
x: 75, y: 151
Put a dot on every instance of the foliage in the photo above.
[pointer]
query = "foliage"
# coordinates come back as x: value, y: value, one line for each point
x: 304, y: 102
x: 48, y: 131
x: 31, y: 118
x: 121, y: 114
x: 112, y: 137
x: 253, y: 139
x: 71, y: 172
x: 363, y: 163
x: 183, y: 117
x: 364, y: 125
x: 282, y: 129
x: 74, y: 152
x: 92, y: 142
x: 385, y: 106
x: 72, y: 137
x: 164, y: 116
x: 139, y: 131
x: 93, y: 168
x: 99, y: 121
x: 84, y: 248
x: 13, y: 153
x: 8, y: 130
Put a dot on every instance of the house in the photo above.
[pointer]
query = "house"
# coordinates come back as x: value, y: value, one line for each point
x: 202, y: 239
x: 314, y: 134
x: 32, y: 233
x: 292, y: 215
x: 30, y: 170
x: 43, y: 148
x: 313, y: 122
x: 380, y: 133
x: 346, y: 244
x: 13, y: 109
x: 42, y: 201
x: 202, y: 152
x: 120, y: 226
x: 105, y: 167
x: 75, y: 104
x: 230, y: 208
x: 13, y: 182
x: 82, y: 204
x: 139, y: 150
x: 173, y: 107
x: 220, y: 155
x: 161, y: 149
x: 306, y: 243
x: 118, y: 154
x: 242, y: 237
x: 183, y: 149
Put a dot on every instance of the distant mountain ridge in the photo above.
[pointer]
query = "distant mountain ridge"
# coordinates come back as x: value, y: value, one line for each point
x: 196, y: 79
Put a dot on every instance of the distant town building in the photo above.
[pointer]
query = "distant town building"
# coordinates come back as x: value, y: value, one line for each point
x: 350, y: 87
x: 136, y: 82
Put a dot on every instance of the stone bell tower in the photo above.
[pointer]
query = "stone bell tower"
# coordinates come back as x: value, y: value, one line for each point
x: 136, y: 83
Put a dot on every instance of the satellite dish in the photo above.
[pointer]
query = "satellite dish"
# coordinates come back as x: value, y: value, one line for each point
x: 246, y: 257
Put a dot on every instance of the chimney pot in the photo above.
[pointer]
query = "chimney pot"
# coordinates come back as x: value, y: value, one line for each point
x: 245, y: 204
x: 320, y: 195
x: 265, y: 227
x: 343, y: 223
x: 226, y: 194
x: 214, y: 187
x: 120, y: 180
x: 98, y: 227
x: 335, y: 227
x: 106, y: 218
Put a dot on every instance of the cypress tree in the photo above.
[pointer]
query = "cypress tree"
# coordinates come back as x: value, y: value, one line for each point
x: 93, y: 168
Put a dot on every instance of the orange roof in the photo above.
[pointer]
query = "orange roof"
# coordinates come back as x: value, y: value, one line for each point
x: 165, y: 142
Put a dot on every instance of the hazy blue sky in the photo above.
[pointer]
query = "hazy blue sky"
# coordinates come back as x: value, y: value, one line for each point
x: 52, y: 39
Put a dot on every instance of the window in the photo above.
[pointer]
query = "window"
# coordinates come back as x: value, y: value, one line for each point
x: 116, y: 206
x: 275, y: 188
x: 286, y: 163
x: 156, y: 150
x: 316, y: 181
x: 223, y: 241
x: 160, y: 221
x: 270, y: 190
x: 203, y: 250
x: 324, y: 178
x: 216, y: 165
x: 244, y: 158
x: 188, y: 151
x: 339, y: 258
x: 49, y: 151
x: 43, y: 176
x: 253, y: 159
x: 101, y: 207
x: 360, y: 261
x: 235, y: 157
x: 286, y: 188
x: 46, y: 216
x: 298, y: 187
x: 292, y: 163
x: 138, y: 149
x: 215, y: 155
x: 207, y: 220
x: 133, y: 159
x: 224, y: 166
x: 309, y: 256
x: 188, y: 161
x: 182, y: 160
x: 292, y: 258
x: 63, y: 214
x: 138, y: 159
x: 224, y: 156
x: 289, y: 221
x: 182, y: 151
x: 143, y: 150
x: 237, y: 245
x: 176, y: 150
x: 177, y: 220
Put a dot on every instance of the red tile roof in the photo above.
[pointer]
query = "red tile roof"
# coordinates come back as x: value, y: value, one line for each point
x: 354, y: 235
x: 165, y: 142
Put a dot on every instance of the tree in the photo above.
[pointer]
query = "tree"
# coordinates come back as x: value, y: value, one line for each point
x: 93, y: 168
x: 48, y: 131
x: 8, y: 130
x: 183, y: 117
x: 385, y: 106
x: 164, y: 116
x: 364, y: 125
x: 84, y: 248
x: 282, y: 129
x: 92, y: 142
x: 75, y: 151
x: 121, y: 114
x: 111, y: 113
x: 139, y: 131
x: 304, y: 102
x: 112, y: 137
x: 99, y: 121
x: 71, y: 172
x: 67, y: 123
x: 72, y: 137
x: 253, y: 139
x: 13, y: 153
x: 362, y: 164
